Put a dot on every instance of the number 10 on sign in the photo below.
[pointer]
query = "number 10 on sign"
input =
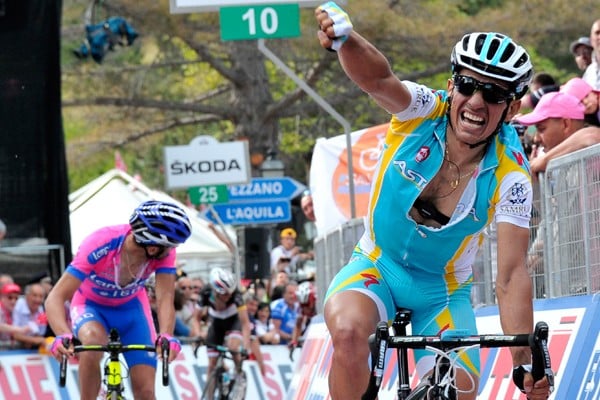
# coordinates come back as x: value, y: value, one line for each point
x: 260, y: 22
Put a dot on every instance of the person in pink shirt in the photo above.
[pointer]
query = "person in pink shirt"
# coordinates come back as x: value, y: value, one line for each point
x: 105, y: 283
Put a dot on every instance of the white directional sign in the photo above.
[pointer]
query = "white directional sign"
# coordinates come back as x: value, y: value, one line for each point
x: 205, y: 161
x: 189, y: 6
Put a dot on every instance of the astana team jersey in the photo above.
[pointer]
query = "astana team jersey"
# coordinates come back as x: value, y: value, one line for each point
x: 97, y: 266
x: 499, y: 191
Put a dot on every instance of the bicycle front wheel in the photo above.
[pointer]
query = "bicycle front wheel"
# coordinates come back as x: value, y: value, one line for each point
x: 238, y: 390
x: 214, y: 385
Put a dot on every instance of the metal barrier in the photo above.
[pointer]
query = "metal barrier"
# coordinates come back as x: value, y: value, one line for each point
x: 564, y: 252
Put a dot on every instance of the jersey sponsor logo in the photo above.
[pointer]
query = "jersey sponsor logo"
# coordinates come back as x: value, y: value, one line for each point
x: 423, y: 98
x: 410, y: 174
x: 370, y: 279
x: 515, y: 210
x: 99, y: 253
x: 517, y: 194
x: 423, y: 154
x: 519, y: 158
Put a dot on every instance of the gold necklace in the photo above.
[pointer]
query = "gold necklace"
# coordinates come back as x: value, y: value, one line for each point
x: 455, y: 182
x: 129, y: 264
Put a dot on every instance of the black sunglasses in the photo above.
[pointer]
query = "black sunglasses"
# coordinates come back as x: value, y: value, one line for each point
x: 490, y: 92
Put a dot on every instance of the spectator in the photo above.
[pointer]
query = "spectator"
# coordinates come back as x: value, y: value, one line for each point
x: 255, y: 354
x: 557, y: 116
x: 284, y: 312
x: 592, y: 72
x: 9, y: 294
x: 197, y: 285
x: 258, y: 289
x: 306, y: 203
x: 280, y: 279
x: 29, y: 311
x: 287, y: 249
x: 538, y: 81
x: 580, y: 139
x: 190, y: 310
x: 582, y: 51
x: 265, y: 331
x: 588, y: 97
x: 537, y: 94
x: 4, y: 279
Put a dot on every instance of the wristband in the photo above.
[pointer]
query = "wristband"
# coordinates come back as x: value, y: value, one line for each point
x: 174, y: 343
x: 519, y: 375
x: 65, y: 339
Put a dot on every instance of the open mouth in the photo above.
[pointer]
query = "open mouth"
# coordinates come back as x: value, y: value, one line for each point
x: 472, y: 119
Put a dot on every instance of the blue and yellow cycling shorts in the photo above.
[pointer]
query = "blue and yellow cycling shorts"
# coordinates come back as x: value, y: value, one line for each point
x: 435, y: 305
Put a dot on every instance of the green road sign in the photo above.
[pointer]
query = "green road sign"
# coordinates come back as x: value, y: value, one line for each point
x: 211, y: 194
x: 260, y: 22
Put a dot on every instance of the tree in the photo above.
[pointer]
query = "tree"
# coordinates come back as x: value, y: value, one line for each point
x: 180, y: 80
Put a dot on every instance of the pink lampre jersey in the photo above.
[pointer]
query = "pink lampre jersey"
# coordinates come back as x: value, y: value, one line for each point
x: 97, y: 266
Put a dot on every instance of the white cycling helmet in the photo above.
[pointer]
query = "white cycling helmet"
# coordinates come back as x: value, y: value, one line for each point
x: 495, y: 55
x: 222, y: 281
x: 304, y: 292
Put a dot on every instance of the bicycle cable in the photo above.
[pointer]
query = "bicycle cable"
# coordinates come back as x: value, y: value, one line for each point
x: 448, y: 380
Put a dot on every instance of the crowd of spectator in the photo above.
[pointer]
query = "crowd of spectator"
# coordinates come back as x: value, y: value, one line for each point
x: 23, y: 322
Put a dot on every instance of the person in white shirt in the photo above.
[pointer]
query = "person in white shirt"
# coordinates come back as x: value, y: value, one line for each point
x: 592, y: 72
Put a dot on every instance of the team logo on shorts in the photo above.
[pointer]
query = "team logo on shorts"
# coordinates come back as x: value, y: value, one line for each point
x: 423, y: 154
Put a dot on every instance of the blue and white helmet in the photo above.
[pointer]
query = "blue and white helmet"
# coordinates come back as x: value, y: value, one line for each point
x: 495, y: 55
x: 157, y: 223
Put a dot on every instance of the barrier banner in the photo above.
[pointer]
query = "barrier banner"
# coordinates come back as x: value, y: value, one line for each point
x: 28, y: 375
x: 574, y: 347
x: 329, y: 180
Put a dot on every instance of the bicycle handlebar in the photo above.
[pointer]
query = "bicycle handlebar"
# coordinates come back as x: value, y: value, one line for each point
x: 381, y: 341
x: 199, y: 341
x: 114, y: 347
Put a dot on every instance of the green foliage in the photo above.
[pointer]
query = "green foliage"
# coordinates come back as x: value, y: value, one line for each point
x: 472, y: 7
x: 172, y: 63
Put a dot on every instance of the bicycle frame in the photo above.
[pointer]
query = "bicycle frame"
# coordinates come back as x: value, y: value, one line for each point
x: 113, y: 376
x: 381, y: 341
x: 234, y: 390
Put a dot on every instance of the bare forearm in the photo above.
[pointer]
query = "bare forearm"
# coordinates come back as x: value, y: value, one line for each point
x: 363, y: 63
x: 166, y: 316
x: 516, y: 310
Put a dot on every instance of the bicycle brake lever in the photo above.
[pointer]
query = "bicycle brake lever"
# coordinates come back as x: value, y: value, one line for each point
x: 381, y: 337
x: 540, y: 356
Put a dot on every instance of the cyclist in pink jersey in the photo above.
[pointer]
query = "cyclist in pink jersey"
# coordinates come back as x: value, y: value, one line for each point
x: 105, y: 285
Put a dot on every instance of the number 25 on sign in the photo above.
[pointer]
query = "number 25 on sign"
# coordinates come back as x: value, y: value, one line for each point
x: 256, y: 22
x: 212, y: 194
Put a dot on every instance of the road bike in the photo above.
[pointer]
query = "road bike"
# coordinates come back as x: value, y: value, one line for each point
x: 227, y: 386
x: 440, y: 385
x: 114, y: 369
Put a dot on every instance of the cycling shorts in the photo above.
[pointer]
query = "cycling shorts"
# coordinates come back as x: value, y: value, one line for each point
x: 436, y: 304
x: 220, y: 329
x: 133, y: 320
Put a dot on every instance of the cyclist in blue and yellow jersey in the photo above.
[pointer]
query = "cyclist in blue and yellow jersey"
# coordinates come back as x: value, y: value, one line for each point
x: 450, y: 166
